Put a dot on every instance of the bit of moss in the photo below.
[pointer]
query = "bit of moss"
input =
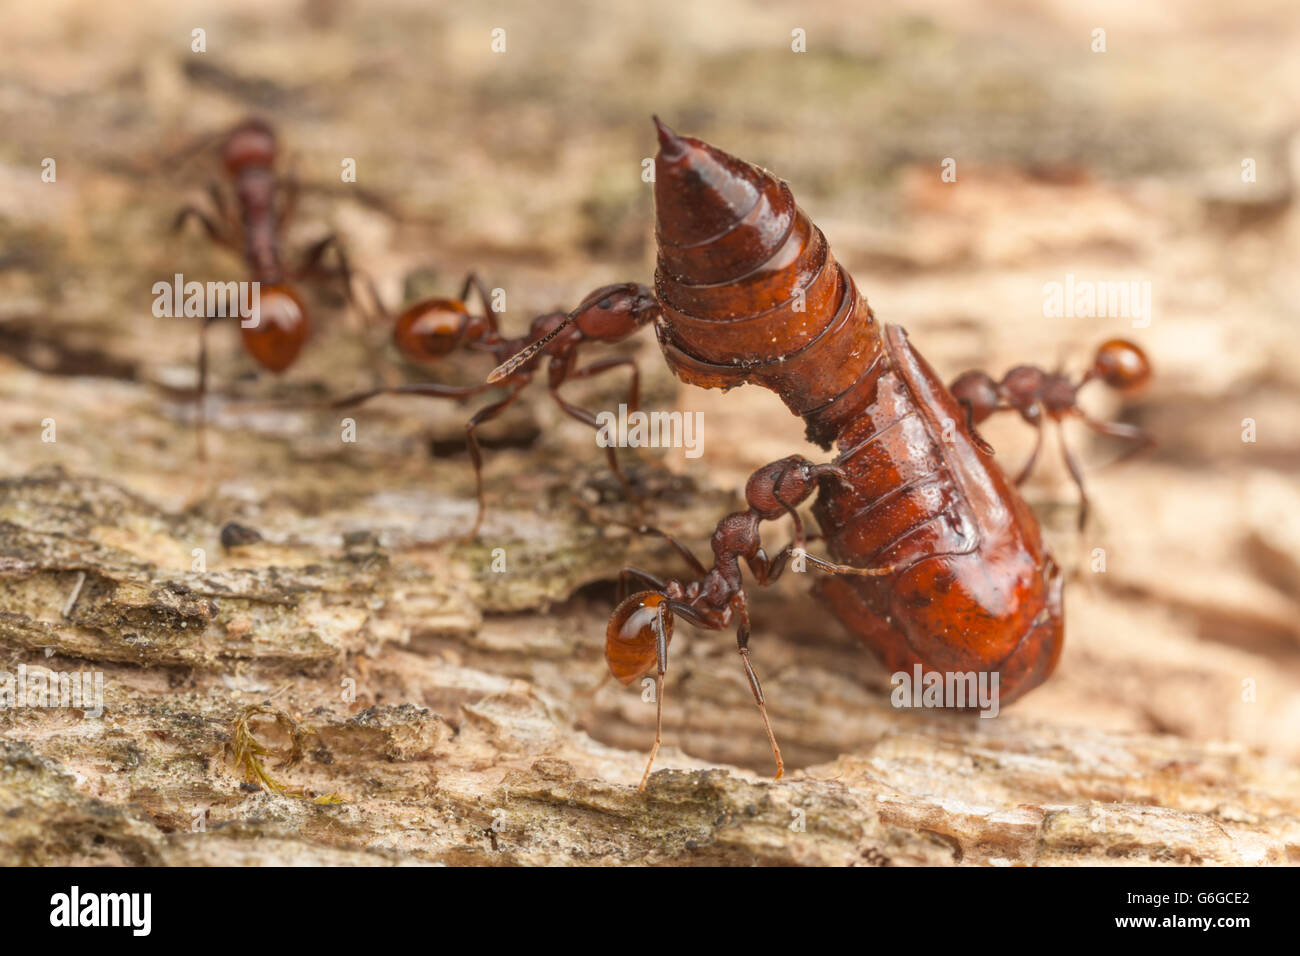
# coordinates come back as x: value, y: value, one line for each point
x: 246, y: 753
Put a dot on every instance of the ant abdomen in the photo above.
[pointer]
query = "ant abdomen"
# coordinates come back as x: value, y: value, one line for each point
x: 281, y: 331
x: 431, y: 329
x: 1122, y: 365
x: 631, y: 640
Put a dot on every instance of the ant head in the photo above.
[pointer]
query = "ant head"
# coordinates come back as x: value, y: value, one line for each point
x: 977, y: 390
x: 612, y: 313
x: 786, y: 482
x: 632, y: 636
x: 251, y: 143
x: 434, y: 328
x: 1121, y: 365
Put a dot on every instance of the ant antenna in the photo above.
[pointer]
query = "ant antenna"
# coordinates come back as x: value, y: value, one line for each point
x: 178, y: 158
x: 523, y: 355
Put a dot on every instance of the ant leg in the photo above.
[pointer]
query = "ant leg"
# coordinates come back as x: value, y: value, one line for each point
x: 311, y: 264
x: 695, y: 563
x: 627, y: 573
x: 1033, y: 456
x: 661, y: 655
x: 587, y: 418
x: 365, y: 317
x: 1077, y: 474
x: 742, y: 644
x: 604, y: 365
x: 696, y: 566
x: 472, y: 281
x: 438, y: 390
x: 476, y: 455
x: 376, y: 315
x: 215, y: 232
x: 201, y: 410
x: 633, y: 403
x: 224, y: 211
x: 767, y: 571
x: 1140, y: 439
x: 703, y: 619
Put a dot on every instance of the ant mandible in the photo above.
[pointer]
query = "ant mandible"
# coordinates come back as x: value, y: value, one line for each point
x: 265, y: 202
x: 433, y: 328
x: 1035, y: 394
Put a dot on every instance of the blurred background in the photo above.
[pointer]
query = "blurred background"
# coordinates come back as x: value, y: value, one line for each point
x: 525, y: 165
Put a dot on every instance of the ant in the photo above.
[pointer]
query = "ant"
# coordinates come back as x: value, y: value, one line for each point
x: 432, y: 329
x: 1035, y: 394
x: 641, y: 627
x: 266, y: 202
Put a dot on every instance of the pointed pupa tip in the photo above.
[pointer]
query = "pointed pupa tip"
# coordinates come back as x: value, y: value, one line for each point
x: 670, y: 144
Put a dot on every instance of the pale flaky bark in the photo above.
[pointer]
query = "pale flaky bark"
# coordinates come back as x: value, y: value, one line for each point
x: 477, y: 740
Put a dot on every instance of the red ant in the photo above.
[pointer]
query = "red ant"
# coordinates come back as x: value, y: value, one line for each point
x: 1034, y: 394
x: 266, y: 202
x: 433, y: 328
x: 641, y: 627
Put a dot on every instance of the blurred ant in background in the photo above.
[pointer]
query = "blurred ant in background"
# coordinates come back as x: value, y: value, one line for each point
x: 265, y: 202
x: 1037, y: 395
x: 434, y: 328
